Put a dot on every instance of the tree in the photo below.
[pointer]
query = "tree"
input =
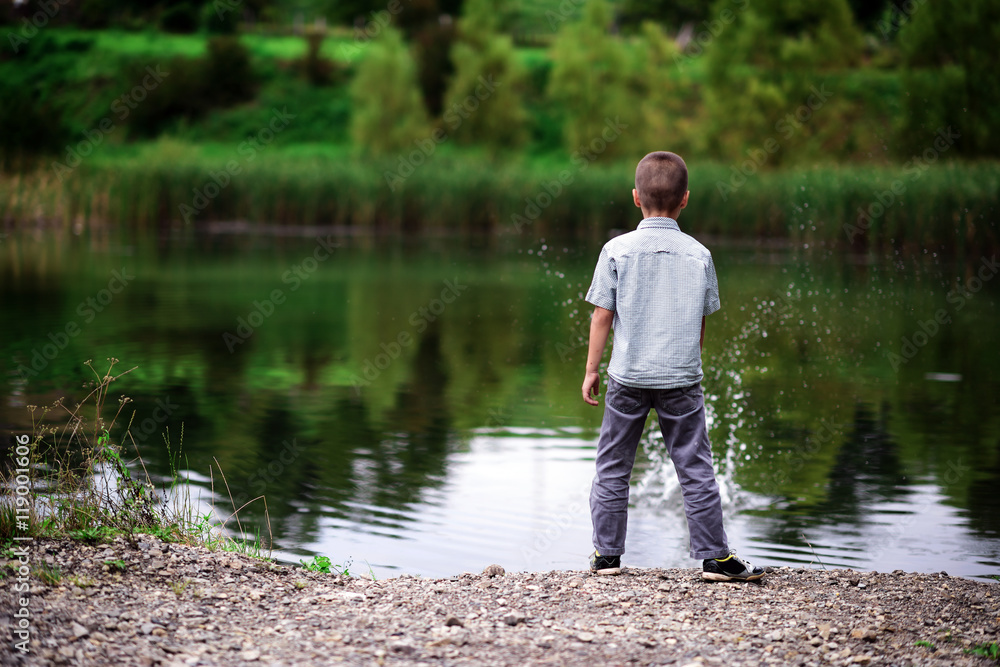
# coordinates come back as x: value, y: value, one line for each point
x: 662, y: 121
x: 388, y: 112
x: 671, y: 13
x: 589, y: 82
x: 484, y: 103
x: 951, y: 77
x: 765, y: 65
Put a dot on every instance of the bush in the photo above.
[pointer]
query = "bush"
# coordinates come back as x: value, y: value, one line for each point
x: 230, y: 76
x: 388, y: 112
x: 222, y: 79
x: 589, y: 83
x: 484, y: 101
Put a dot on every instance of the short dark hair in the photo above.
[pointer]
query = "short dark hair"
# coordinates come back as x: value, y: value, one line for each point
x: 661, y: 179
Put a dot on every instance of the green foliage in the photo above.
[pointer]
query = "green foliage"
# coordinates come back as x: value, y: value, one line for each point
x: 93, y: 534
x: 387, y: 110
x: 191, y: 87
x: 116, y: 565
x: 326, y: 566
x: 671, y: 14
x: 33, y: 114
x: 588, y: 80
x: 766, y: 61
x: 662, y: 122
x: 949, y: 48
x: 50, y: 575
x: 92, y: 494
x: 989, y: 650
x: 484, y: 102
x: 925, y: 643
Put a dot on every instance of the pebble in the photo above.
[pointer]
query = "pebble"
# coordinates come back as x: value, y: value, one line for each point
x: 227, y: 615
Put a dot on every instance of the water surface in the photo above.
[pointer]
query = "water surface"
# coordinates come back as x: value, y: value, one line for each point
x: 415, y: 407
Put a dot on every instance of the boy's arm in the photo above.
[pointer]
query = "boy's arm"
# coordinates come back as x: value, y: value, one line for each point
x: 600, y: 326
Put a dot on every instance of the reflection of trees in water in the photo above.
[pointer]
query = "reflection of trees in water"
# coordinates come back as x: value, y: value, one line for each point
x: 358, y: 469
x: 984, y: 501
x: 866, y: 471
x: 412, y: 450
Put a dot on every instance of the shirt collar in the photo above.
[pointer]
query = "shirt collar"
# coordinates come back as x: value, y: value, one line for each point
x: 659, y: 223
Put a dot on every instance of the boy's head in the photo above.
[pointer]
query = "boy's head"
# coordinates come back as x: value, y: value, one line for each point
x: 661, y: 182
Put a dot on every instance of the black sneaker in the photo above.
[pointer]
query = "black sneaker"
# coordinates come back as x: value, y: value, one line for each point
x: 730, y: 568
x: 603, y: 565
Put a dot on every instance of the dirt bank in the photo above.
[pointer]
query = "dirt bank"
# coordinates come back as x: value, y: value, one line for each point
x: 184, y: 605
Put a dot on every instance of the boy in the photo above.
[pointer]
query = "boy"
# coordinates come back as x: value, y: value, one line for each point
x: 656, y: 285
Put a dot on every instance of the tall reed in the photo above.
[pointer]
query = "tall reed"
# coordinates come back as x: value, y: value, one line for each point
x: 950, y: 206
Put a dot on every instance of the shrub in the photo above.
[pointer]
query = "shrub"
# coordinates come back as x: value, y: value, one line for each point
x: 388, y: 112
x: 484, y: 101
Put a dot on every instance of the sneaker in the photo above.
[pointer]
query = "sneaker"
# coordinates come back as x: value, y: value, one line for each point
x: 730, y: 568
x: 603, y: 565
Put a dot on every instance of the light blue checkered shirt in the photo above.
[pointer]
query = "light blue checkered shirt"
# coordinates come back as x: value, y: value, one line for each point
x: 659, y: 282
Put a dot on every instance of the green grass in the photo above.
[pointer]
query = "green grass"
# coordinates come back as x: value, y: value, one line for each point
x: 154, y: 44
x: 86, y: 487
x: 986, y: 650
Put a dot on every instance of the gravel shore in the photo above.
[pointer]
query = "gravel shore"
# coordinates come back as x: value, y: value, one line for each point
x: 175, y: 604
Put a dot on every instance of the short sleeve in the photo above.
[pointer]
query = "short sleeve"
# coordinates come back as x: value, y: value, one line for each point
x: 712, y: 302
x: 604, y: 288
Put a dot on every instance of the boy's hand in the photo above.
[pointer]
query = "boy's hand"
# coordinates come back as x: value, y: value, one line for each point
x: 591, y: 387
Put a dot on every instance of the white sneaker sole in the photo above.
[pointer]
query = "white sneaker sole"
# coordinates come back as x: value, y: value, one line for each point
x: 716, y: 576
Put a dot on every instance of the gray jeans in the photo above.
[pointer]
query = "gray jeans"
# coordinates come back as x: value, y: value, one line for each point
x: 681, y: 414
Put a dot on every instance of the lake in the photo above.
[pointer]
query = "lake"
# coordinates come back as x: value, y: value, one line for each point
x: 414, y: 407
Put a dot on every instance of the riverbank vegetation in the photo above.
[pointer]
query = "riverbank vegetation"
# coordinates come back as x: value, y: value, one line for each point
x: 469, y: 115
x: 83, y: 478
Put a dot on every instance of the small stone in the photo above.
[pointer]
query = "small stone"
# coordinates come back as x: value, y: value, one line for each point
x: 867, y: 634
x: 861, y: 659
x: 403, y: 648
x: 494, y: 571
x: 146, y: 628
x: 250, y: 655
x: 454, y: 620
x: 513, y: 618
x: 586, y: 637
x: 79, y: 631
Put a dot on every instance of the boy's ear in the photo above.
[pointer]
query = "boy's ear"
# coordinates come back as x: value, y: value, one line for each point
x: 635, y: 198
x: 684, y: 202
